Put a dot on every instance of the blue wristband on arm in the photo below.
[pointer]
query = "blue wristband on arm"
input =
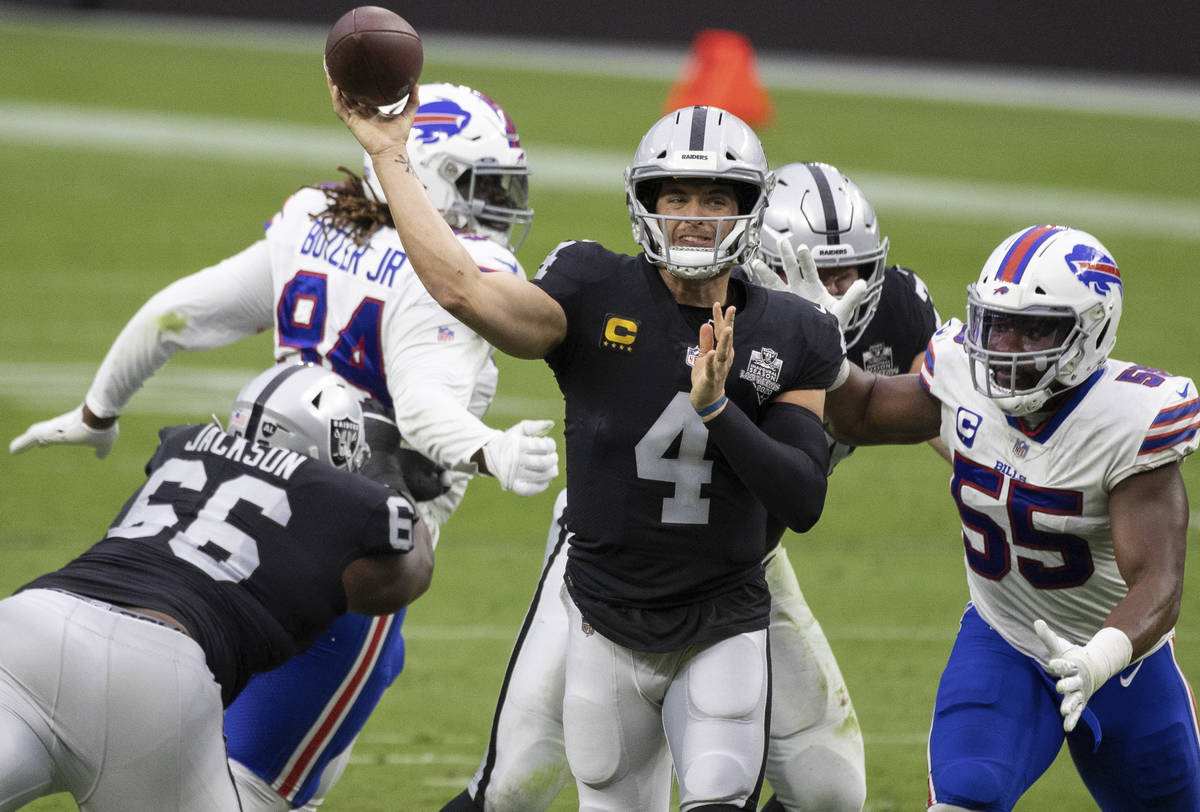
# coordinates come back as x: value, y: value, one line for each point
x: 712, y: 407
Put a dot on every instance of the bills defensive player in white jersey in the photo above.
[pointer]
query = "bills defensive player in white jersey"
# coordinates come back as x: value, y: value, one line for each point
x: 332, y: 279
x: 236, y: 553
x: 1074, y: 521
x: 815, y: 757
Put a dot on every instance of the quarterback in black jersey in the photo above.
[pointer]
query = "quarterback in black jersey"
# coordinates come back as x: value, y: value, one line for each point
x: 815, y: 755
x: 682, y: 435
x: 239, y: 549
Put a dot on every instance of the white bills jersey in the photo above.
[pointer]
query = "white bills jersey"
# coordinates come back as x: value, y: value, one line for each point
x: 1034, y: 500
x: 358, y: 310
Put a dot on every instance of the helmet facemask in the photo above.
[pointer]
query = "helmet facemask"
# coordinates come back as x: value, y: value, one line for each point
x: 1021, y: 381
x: 697, y: 262
x: 493, y: 200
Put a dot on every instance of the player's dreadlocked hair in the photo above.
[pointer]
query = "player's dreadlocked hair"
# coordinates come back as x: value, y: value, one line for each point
x: 351, y: 210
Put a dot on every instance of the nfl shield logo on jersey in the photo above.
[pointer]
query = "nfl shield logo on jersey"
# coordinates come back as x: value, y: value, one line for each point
x: 763, y: 372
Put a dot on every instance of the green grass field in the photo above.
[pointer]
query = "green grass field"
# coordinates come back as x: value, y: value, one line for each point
x: 132, y: 156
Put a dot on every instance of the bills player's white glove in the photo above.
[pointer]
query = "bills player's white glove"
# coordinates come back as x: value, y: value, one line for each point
x: 522, y: 459
x: 1083, y: 669
x: 804, y: 281
x: 66, y: 429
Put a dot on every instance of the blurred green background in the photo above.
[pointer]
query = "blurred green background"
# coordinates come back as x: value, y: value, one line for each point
x: 134, y: 153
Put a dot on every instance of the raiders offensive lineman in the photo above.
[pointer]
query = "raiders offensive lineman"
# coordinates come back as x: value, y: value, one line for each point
x: 1074, y: 523
x: 815, y: 757
x: 332, y: 279
x: 239, y: 549
x: 681, y: 434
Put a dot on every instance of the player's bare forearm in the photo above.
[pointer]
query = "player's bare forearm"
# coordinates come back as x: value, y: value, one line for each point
x: 1149, y: 515
x: 869, y: 409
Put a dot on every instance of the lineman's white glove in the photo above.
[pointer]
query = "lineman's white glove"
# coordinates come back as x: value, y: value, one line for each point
x: 522, y: 459
x: 66, y: 429
x: 804, y: 281
x: 1083, y: 669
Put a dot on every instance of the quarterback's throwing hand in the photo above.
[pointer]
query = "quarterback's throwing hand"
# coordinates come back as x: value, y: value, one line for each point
x: 1083, y: 669
x: 66, y: 429
x: 522, y: 458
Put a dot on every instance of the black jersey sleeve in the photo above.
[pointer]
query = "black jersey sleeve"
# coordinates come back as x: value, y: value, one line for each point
x: 818, y: 332
x: 901, y: 327
x: 568, y: 269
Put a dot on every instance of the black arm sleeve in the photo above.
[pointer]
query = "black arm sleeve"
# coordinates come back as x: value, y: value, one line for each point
x: 783, y: 460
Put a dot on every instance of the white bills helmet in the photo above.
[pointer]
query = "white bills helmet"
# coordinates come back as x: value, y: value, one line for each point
x: 814, y: 204
x: 304, y: 408
x: 466, y: 151
x: 1050, y: 281
x: 698, y: 143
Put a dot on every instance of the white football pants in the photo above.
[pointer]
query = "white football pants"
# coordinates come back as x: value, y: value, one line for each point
x: 815, y: 757
x: 120, y: 712
x: 626, y: 713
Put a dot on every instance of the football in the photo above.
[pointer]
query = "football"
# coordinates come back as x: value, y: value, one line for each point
x: 373, y: 55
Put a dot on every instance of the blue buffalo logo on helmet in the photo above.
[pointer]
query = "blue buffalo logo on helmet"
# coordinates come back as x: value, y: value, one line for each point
x: 439, y: 120
x: 1094, y: 268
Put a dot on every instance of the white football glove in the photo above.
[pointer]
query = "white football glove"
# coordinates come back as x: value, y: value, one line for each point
x: 804, y: 281
x: 66, y: 429
x: 1083, y: 669
x: 522, y: 459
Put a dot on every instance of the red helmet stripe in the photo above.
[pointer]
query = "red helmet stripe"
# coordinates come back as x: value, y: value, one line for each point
x: 1013, y: 265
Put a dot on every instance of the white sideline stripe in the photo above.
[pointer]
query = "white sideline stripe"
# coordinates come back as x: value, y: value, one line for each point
x: 1028, y: 88
x: 193, y: 393
x: 427, y: 759
x: 260, y: 141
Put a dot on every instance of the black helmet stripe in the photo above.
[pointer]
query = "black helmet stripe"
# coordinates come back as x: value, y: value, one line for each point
x: 832, y: 232
x: 699, y: 122
x: 261, y: 401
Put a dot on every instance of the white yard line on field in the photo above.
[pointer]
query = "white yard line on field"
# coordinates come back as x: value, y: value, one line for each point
x: 259, y: 141
x: 189, y: 392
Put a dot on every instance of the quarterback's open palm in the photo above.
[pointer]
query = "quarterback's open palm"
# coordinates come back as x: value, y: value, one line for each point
x: 714, y: 359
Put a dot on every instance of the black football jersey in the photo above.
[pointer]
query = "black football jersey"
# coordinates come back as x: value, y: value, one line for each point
x: 244, y: 544
x: 660, y: 519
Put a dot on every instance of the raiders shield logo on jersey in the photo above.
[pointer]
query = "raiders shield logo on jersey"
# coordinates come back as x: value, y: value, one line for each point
x: 763, y: 372
x: 878, y: 359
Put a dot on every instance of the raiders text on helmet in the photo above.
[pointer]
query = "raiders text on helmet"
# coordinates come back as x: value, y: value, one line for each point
x: 698, y: 143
